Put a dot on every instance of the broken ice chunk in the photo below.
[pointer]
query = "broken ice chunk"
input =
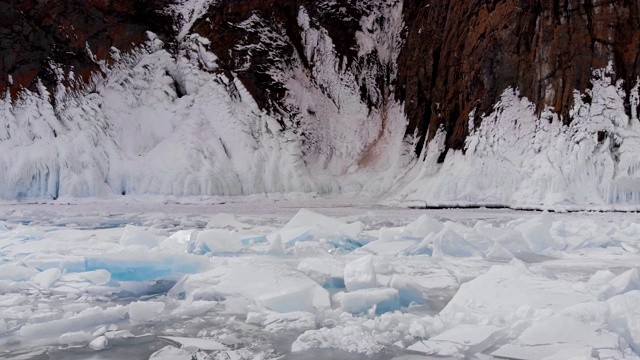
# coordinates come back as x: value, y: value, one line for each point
x: 621, y: 284
x: 226, y: 221
x: 537, y: 232
x: 360, y: 301
x: 75, y: 338
x: 546, y: 351
x: 136, y: 236
x: 179, y: 242
x: 292, y: 236
x: 502, y: 290
x: 45, y: 279
x: 424, y: 225
x: 498, y: 253
x: 217, y: 241
x: 306, y: 219
x: 326, y: 271
x: 130, y: 266
x: 408, y: 290
x: 171, y: 352
x: 352, y: 230
x: 449, y: 242
x: 276, y: 247
x: 464, y: 340
x: 142, y: 311
x: 240, y: 282
x: 308, y: 248
x: 380, y: 247
x: 15, y: 272
x: 289, y: 300
x: 99, y: 343
x: 199, y: 343
x: 360, y: 274
x: 624, y: 317
x: 96, y: 277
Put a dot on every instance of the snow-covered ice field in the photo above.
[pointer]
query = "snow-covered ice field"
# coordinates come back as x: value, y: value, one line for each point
x: 257, y: 277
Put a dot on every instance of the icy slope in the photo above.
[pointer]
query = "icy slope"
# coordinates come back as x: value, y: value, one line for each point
x: 157, y: 124
x: 163, y: 122
x: 518, y: 158
x: 175, y: 119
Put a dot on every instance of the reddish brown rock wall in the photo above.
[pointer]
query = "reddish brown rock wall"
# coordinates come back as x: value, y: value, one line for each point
x: 36, y: 33
x: 461, y: 55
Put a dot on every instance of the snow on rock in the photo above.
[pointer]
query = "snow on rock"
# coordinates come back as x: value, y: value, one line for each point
x: 360, y: 274
x: 520, y: 157
x: 148, y: 136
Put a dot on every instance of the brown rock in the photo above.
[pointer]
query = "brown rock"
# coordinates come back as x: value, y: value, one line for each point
x: 461, y: 55
x: 35, y: 33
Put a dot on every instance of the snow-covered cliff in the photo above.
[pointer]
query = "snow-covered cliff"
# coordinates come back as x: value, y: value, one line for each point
x: 245, y: 97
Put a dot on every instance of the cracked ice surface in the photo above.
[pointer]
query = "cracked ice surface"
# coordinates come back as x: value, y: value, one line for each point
x: 257, y: 277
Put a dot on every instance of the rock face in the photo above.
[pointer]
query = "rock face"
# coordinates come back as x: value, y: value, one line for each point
x: 240, y: 29
x: 460, y: 55
x: 453, y: 58
x: 37, y: 37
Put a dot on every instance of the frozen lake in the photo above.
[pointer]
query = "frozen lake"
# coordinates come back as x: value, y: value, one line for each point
x: 258, y: 278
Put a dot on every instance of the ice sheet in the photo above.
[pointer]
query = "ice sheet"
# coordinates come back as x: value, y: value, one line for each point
x: 520, y: 278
